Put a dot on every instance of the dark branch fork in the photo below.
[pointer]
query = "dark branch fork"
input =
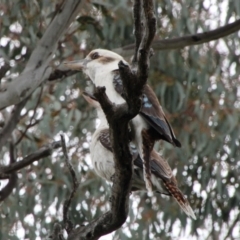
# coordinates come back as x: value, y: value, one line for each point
x: 118, y: 118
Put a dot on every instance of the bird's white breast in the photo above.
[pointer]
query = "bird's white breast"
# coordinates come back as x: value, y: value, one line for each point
x: 105, y: 79
x: 102, y: 158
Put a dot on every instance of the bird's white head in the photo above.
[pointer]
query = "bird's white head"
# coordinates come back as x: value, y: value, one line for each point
x: 97, y: 63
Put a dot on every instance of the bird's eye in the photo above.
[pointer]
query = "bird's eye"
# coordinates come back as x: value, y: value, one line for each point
x: 95, y: 55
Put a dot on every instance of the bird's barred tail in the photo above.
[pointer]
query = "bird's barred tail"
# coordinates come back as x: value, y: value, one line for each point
x: 179, y: 197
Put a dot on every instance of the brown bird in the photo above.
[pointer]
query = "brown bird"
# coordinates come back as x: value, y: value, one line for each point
x: 101, y: 66
x: 162, y: 176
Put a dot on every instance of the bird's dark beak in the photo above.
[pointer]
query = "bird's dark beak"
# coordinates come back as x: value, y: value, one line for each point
x: 89, y: 95
x: 90, y: 99
x: 78, y: 65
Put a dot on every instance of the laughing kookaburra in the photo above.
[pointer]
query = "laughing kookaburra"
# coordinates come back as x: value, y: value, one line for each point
x: 101, y: 66
x: 162, y: 177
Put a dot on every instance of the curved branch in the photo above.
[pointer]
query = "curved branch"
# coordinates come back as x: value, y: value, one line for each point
x: 37, y: 69
x: 30, y: 124
x: 181, y: 42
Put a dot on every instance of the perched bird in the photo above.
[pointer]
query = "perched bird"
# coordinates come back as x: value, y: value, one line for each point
x: 101, y: 66
x: 102, y: 160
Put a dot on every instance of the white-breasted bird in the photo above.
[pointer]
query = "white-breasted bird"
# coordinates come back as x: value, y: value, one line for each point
x: 101, y: 66
x: 162, y: 176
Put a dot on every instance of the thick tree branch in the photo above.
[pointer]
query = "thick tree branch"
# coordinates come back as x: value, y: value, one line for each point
x: 181, y: 42
x: 138, y: 29
x: 118, y: 118
x: 39, y: 154
x: 37, y: 69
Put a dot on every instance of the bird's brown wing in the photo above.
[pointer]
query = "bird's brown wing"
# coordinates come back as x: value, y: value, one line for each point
x: 159, y: 167
x: 104, y: 139
x: 151, y: 111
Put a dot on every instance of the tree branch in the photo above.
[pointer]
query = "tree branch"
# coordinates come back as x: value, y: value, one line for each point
x: 118, y: 117
x: 37, y: 69
x: 30, y: 124
x: 68, y: 225
x: 39, y: 154
x: 138, y: 30
x: 174, y: 43
x: 181, y: 42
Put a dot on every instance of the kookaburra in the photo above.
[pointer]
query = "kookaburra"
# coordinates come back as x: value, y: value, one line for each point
x: 101, y: 66
x: 162, y: 176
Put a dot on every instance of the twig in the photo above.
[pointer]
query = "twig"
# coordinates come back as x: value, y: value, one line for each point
x: 68, y: 225
x: 12, y: 122
x: 39, y: 154
x: 189, y: 40
x: 12, y: 182
x: 30, y: 124
x: 137, y: 17
x: 144, y: 49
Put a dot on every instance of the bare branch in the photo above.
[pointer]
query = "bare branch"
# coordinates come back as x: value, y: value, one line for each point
x: 39, y: 154
x: 118, y: 119
x: 138, y: 30
x: 30, y: 124
x: 12, y: 122
x: 181, y: 42
x: 68, y: 225
x: 37, y: 69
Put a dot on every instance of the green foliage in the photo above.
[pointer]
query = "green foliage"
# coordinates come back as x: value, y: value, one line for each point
x: 197, y: 86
